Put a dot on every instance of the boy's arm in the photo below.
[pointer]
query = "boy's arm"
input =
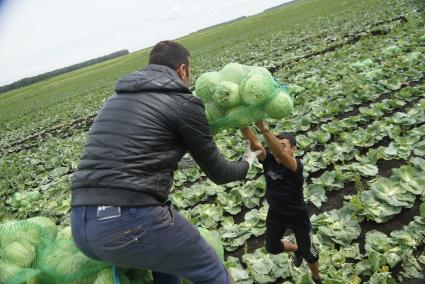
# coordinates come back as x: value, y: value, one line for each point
x: 249, y: 135
x: 275, y: 147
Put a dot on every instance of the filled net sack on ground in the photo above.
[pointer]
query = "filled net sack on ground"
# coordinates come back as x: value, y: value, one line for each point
x: 35, y: 251
x: 238, y: 95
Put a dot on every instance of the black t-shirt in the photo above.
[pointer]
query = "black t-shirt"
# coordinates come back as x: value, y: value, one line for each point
x: 284, y: 191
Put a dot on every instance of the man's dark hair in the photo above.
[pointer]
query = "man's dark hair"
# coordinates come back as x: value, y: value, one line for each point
x: 289, y: 136
x: 169, y: 53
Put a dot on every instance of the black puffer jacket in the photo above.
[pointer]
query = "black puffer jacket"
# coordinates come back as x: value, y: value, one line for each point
x: 138, y: 137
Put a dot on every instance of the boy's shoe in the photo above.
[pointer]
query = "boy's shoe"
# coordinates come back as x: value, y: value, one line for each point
x: 317, y: 281
x: 297, y: 260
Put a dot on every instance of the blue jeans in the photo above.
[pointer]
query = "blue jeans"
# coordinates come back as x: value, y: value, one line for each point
x: 156, y: 238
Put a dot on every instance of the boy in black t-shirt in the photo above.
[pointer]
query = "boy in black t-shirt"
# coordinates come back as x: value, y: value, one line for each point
x: 284, y: 193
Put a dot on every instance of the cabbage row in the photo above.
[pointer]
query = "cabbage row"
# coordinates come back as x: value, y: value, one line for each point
x: 355, y: 107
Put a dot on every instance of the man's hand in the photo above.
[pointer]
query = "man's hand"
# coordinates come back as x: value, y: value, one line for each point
x: 249, y: 135
x: 262, y: 125
x: 250, y: 156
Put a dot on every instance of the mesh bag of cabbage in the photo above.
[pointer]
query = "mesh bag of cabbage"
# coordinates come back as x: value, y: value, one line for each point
x: 32, y: 251
x: 29, y: 253
x: 238, y: 95
x: 64, y: 262
x: 21, y: 242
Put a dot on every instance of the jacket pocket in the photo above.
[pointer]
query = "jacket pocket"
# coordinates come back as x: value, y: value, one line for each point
x: 124, y: 238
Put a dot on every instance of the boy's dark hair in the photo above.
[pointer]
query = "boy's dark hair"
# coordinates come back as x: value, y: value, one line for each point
x: 169, y: 53
x: 289, y: 136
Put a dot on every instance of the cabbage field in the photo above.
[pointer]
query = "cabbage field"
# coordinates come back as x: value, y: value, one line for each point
x: 356, y: 72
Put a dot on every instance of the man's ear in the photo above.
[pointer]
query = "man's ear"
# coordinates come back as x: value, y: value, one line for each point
x: 182, y: 72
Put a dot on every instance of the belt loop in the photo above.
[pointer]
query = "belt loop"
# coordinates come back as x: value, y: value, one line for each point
x: 83, y: 214
x: 83, y: 221
x: 166, y: 203
x: 133, y: 211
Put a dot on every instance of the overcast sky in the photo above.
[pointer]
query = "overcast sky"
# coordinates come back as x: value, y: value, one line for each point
x: 37, y: 36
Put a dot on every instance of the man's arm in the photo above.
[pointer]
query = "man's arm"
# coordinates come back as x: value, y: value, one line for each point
x: 196, y: 136
x: 249, y: 135
x: 275, y: 146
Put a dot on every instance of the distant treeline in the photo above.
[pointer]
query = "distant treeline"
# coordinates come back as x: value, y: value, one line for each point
x: 31, y: 80
x: 217, y: 25
x: 243, y: 17
x: 280, y: 6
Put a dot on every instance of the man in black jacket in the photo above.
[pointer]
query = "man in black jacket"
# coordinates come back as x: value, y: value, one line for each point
x: 120, y: 208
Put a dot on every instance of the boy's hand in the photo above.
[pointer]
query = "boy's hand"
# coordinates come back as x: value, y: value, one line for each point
x: 186, y: 164
x: 261, y: 124
x: 244, y: 129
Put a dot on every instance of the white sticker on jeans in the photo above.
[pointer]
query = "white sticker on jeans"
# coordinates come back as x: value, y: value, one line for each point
x: 108, y: 212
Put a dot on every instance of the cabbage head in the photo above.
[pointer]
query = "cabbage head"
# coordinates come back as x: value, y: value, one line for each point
x: 295, y: 89
x: 391, y: 51
x: 73, y: 264
x: 8, y: 271
x: 206, y: 85
x: 239, y: 117
x: 21, y: 253
x: 11, y: 273
x: 106, y: 277
x: 64, y: 234
x: 257, y: 88
x: 214, y: 240
x: 227, y: 95
x: 258, y: 114
x: 362, y: 65
x: 214, y: 112
x: 413, y: 58
x: 280, y: 106
x: 234, y: 72
x: 48, y: 225
x: 23, y: 230
x: 253, y: 70
x: 374, y: 74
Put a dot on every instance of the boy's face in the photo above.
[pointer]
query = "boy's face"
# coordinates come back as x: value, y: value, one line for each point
x: 286, y: 147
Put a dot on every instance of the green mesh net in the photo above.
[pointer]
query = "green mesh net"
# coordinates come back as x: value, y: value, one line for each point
x: 35, y: 251
x: 238, y: 95
x: 63, y: 261
x: 22, y: 241
x: 32, y: 252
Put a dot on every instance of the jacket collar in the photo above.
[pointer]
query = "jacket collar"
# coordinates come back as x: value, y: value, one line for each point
x: 152, y: 78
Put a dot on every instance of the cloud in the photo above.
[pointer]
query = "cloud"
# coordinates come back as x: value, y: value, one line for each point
x: 39, y: 36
